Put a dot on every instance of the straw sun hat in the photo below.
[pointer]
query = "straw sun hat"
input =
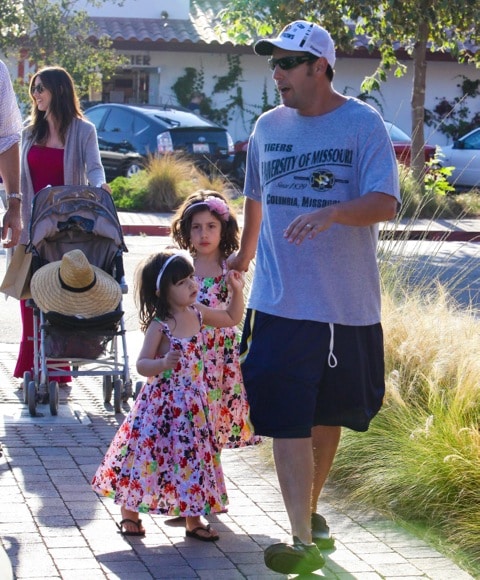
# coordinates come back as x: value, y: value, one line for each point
x: 72, y: 286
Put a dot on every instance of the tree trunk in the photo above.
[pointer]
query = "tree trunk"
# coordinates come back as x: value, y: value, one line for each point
x: 418, y: 102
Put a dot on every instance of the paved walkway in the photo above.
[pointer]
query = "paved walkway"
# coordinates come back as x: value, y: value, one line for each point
x: 52, y: 525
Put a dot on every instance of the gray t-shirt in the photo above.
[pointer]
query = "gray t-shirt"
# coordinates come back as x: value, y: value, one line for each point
x: 297, y: 164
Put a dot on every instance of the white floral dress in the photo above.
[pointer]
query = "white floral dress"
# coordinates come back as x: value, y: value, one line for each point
x: 227, y: 399
x: 165, y: 459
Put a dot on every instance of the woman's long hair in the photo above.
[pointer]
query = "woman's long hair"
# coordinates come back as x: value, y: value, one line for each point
x: 64, y: 106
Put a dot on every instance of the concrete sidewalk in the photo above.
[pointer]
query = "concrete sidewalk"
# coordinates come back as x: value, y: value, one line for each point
x: 465, y: 230
x: 52, y: 525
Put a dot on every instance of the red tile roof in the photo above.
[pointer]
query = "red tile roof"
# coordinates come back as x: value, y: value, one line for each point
x: 199, y: 28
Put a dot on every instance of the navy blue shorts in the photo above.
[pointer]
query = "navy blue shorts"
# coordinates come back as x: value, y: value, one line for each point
x: 292, y: 383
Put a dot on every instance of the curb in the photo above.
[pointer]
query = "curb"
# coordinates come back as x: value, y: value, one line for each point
x: 430, y: 235
x: 385, y: 235
x: 145, y: 230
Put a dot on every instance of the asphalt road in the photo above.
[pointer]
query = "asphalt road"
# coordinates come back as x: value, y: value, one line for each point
x: 456, y: 264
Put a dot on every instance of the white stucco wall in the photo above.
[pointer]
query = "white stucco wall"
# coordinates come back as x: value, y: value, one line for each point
x: 394, y: 97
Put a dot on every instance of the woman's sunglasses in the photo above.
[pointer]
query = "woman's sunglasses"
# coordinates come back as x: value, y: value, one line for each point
x: 37, y: 89
x: 288, y: 62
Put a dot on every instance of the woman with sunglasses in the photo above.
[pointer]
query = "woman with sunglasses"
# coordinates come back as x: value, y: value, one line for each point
x: 59, y: 147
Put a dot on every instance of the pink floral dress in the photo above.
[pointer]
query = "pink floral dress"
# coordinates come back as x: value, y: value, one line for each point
x: 227, y: 400
x: 164, y: 458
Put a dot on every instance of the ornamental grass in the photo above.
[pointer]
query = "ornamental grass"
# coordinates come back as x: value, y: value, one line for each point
x: 420, y: 460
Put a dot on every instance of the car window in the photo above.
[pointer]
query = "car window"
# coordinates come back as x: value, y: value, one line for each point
x: 167, y: 121
x: 396, y: 134
x: 119, y: 121
x: 173, y: 118
x: 139, y: 124
x: 472, y: 141
x: 95, y: 116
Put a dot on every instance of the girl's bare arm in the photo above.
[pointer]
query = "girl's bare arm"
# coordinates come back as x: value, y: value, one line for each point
x: 148, y: 364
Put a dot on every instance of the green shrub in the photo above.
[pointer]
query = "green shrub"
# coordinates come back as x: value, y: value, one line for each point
x: 129, y: 192
x: 163, y: 185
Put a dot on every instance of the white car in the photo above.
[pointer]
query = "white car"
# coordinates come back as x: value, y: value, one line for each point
x: 464, y: 156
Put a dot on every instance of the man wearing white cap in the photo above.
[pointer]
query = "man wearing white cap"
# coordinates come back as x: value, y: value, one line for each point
x: 321, y: 174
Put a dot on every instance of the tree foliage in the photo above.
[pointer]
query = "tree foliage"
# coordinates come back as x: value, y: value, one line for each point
x: 56, y: 33
x: 416, y: 26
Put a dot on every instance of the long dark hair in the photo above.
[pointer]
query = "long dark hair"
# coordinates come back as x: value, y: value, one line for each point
x: 150, y: 302
x: 182, y: 223
x: 64, y: 106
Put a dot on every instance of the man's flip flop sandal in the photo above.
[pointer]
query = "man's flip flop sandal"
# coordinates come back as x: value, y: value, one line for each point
x: 195, y: 534
x: 137, y: 524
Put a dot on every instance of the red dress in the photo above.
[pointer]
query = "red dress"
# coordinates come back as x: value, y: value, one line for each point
x: 46, y: 168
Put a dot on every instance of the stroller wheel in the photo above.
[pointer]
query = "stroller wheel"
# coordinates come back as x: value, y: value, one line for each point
x: 127, y: 391
x: 32, y: 398
x: 53, y: 397
x: 27, y: 377
x: 117, y: 395
x: 107, y: 389
x: 42, y: 396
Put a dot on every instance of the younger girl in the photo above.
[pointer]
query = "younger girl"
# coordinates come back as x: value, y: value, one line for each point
x: 206, y: 226
x: 164, y: 459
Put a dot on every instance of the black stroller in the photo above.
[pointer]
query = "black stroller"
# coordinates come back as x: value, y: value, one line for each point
x: 65, y: 218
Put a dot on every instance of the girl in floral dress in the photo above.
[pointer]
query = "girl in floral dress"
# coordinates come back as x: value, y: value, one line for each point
x: 206, y: 226
x: 165, y: 458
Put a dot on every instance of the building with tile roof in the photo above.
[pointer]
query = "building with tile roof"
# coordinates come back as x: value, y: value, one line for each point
x: 161, y: 39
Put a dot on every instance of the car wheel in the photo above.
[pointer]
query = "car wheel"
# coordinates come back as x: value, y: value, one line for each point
x: 132, y: 169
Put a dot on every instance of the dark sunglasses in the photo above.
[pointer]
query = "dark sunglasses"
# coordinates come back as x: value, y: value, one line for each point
x: 37, y: 89
x: 288, y: 62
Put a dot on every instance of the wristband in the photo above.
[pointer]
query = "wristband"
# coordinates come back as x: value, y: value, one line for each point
x: 18, y: 196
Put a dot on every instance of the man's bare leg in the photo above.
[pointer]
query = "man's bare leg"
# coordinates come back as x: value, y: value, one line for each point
x: 325, y: 440
x: 294, y: 464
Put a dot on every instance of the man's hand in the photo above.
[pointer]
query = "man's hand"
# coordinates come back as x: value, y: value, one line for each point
x: 237, y: 262
x: 308, y: 225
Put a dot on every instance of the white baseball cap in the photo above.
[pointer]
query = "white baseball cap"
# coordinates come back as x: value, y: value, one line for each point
x: 300, y: 36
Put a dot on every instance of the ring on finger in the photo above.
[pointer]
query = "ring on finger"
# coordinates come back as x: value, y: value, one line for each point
x: 309, y: 226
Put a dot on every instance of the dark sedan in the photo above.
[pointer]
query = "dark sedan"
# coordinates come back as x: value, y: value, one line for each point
x: 128, y: 134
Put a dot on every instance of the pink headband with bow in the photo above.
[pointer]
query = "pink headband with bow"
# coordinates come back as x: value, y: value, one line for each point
x: 213, y: 204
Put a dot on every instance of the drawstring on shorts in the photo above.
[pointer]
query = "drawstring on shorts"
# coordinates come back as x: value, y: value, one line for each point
x: 332, y: 359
